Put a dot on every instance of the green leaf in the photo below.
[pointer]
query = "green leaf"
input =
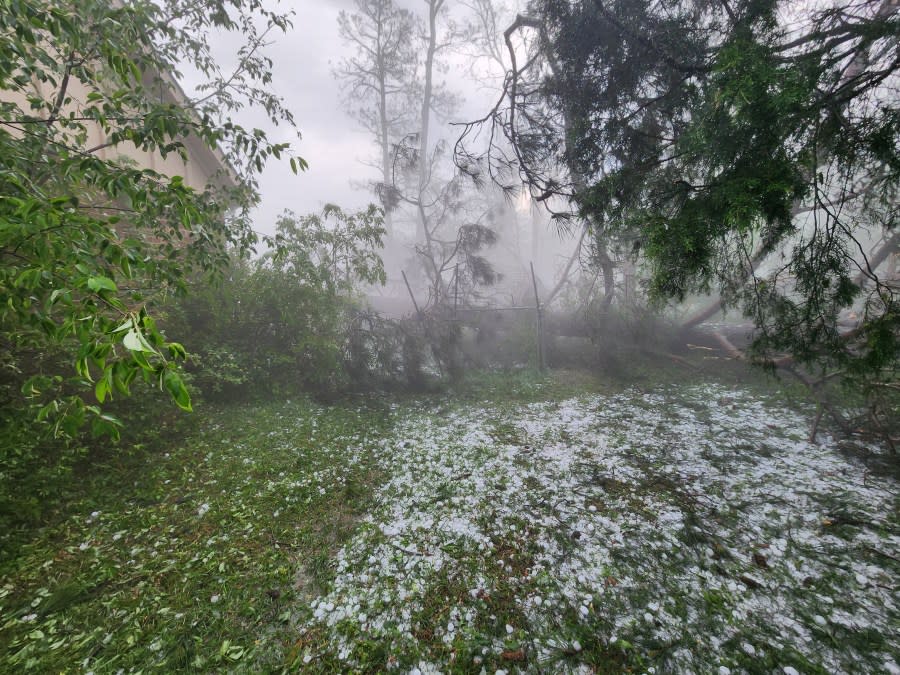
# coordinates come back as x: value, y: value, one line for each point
x: 126, y: 325
x: 105, y: 425
x: 142, y: 362
x: 175, y: 386
x: 99, y: 428
x: 177, y: 350
x: 98, y: 284
x: 132, y: 340
x: 81, y: 367
x: 46, y: 411
x: 135, y: 341
x: 103, y: 386
x: 60, y: 293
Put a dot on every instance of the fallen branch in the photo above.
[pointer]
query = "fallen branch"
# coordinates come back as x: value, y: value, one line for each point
x: 786, y: 363
x: 872, y: 264
x: 836, y: 416
x: 729, y: 347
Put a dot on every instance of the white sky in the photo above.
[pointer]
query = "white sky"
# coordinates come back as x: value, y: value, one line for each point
x: 332, y: 142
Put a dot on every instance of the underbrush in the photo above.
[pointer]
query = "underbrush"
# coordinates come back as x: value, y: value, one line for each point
x: 40, y: 472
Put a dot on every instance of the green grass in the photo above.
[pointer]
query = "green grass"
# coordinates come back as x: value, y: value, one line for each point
x: 197, y: 554
x: 207, y: 552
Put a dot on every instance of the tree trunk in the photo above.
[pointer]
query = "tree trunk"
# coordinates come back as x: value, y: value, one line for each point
x: 424, y: 233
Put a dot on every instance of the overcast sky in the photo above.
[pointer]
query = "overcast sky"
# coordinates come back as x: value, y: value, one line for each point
x: 332, y: 142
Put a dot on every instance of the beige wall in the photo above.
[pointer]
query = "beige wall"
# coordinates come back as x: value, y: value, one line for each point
x: 203, y: 165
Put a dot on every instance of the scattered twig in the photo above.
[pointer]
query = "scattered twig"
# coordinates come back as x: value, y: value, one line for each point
x: 408, y: 551
x: 881, y: 553
x: 749, y: 581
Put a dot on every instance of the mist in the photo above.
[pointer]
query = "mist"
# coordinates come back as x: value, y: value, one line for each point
x: 449, y: 336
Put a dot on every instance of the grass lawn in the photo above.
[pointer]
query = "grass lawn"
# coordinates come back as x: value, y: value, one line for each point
x: 519, y: 524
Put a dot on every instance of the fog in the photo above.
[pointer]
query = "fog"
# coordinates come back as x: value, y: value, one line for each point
x: 434, y: 424
x: 344, y: 168
x: 342, y: 156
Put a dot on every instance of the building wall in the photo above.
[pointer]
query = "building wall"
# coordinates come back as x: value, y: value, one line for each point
x: 203, y: 165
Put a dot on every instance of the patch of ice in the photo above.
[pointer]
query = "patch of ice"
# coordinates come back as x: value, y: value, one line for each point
x: 617, y: 499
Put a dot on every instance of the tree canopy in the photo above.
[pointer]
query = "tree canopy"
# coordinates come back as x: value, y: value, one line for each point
x: 89, y: 238
x: 394, y: 89
x: 748, y: 148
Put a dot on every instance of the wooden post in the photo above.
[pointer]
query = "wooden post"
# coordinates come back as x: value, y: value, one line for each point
x: 411, y: 296
x: 456, y: 290
x: 540, y: 321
